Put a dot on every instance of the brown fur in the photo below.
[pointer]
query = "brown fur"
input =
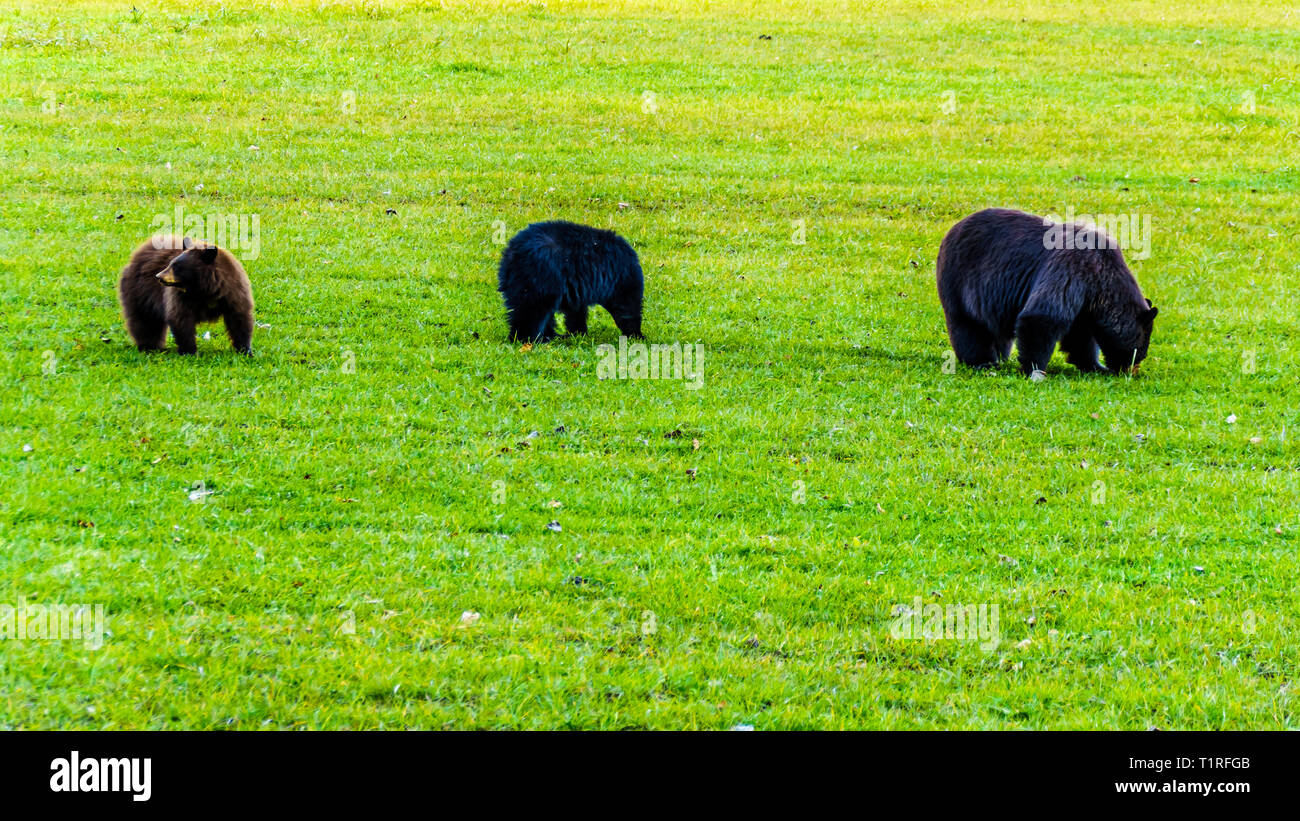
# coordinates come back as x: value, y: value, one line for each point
x: 177, y: 283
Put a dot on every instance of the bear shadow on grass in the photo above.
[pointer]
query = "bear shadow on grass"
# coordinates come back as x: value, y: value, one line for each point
x: 923, y: 356
x: 596, y: 334
x: 121, y: 350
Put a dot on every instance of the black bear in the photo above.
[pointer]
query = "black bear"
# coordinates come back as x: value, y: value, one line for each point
x: 566, y: 267
x: 176, y: 282
x: 1005, y: 274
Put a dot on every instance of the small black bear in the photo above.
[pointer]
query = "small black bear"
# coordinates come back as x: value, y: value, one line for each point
x: 1001, y: 275
x: 175, y: 282
x: 566, y: 267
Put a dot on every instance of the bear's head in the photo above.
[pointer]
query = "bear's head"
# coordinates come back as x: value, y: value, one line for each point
x: 192, y: 269
x: 1124, y: 340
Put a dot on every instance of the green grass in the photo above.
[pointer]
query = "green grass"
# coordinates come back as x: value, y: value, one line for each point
x: 689, y: 587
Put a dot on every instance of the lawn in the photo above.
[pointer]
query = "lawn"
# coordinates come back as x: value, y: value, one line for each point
x: 391, y: 517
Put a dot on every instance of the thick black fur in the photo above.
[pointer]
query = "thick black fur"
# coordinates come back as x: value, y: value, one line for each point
x: 565, y: 267
x: 998, y: 282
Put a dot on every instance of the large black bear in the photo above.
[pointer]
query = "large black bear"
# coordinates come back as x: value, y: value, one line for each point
x: 177, y: 283
x: 1002, y: 274
x: 566, y: 267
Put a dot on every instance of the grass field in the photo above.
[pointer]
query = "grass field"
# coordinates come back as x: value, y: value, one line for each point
x: 374, y: 549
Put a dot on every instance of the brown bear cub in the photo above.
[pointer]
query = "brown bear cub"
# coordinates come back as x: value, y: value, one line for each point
x: 177, y: 283
x: 1006, y: 275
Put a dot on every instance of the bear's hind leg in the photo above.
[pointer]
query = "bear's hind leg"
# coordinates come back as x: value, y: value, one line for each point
x: 1080, y: 348
x: 575, y: 320
x: 533, y: 321
x: 974, y: 345
x: 549, y: 332
x: 149, y: 334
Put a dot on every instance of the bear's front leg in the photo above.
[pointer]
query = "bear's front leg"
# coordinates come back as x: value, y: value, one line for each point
x: 1036, y: 338
x: 239, y: 327
x: 626, y: 311
x: 149, y: 334
x: 1080, y: 348
x: 1053, y: 307
x: 183, y: 333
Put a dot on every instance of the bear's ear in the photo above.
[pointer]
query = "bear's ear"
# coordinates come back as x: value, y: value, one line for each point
x: 208, y: 254
x: 1149, y: 305
x: 187, y: 243
x: 1149, y: 315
